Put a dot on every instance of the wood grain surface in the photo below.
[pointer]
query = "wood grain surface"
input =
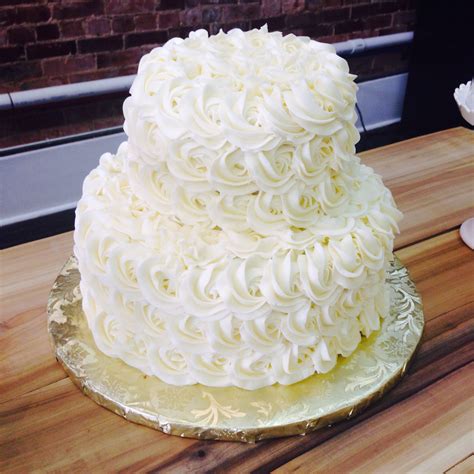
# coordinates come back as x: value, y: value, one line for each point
x: 465, y: 466
x: 431, y: 178
x: 47, y: 424
x: 431, y: 422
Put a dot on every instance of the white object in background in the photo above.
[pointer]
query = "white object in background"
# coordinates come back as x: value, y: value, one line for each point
x: 467, y: 232
x: 464, y: 96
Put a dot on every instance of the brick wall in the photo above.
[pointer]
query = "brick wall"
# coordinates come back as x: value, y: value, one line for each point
x: 45, y: 43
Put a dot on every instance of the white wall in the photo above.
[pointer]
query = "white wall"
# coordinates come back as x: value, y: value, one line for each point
x: 48, y: 180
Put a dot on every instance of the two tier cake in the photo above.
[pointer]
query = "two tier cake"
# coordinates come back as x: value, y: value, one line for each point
x: 236, y: 239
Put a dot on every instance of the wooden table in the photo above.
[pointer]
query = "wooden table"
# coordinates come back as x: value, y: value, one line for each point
x: 425, y: 423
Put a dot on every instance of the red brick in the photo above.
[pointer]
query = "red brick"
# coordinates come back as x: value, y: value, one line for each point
x: 301, y: 20
x: 386, y: 7
x: 7, y: 16
x: 98, y: 26
x: 47, y: 32
x: 145, y: 22
x: 20, y: 71
x: 94, y: 45
x: 9, y: 140
x: 334, y: 15
x: 74, y: 128
x: 47, y: 50
x: 210, y: 2
x: 119, y: 58
x: 26, y: 137
x: 91, y: 75
x: 148, y: 37
x: 181, y: 32
x: 168, y: 20
x: 191, y: 17
x: 27, y: 123
x: 17, y: 2
x: 68, y: 64
x: 361, y: 11
x: 240, y: 12
x: 126, y: 70
x: 171, y: 5
x: 20, y: 35
x: 355, y: 2
x: 316, y: 30
x: 349, y: 26
x: 271, y: 8
x: 365, y: 33
x: 390, y: 62
x: 273, y: 24
x: 326, y: 3
x: 41, y: 82
x: 360, y: 65
x: 211, y: 14
x: 292, y: 6
x: 11, y: 53
x: 32, y: 14
x: 108, y: 122
x: 72, y: 28
x: 78, y: 10
x: 216, y: 27
x: 129, y: 6
x: 393, y: 29
x: 80, y: 112
x: 123, y: 24
x: 106, y: 107
x: 332, y: 38
x: 379, y: 21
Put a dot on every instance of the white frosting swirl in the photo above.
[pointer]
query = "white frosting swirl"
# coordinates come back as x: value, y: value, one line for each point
x: 240, y: 288
x: 199, y: 289
x: 281, y: 283
x: 211, y: 369
x: 252, y: 371
x: 230, y: 212
x: 229, y: 175
x: 153, y: 184
x: 272, y: 169
x: 294, y: 364
x: 169, y: 365
x: 157, y: 283
x: 300, y: 326
x: 189, y: 164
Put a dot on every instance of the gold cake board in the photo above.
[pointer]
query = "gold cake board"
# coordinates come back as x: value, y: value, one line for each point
x: 234, y: 414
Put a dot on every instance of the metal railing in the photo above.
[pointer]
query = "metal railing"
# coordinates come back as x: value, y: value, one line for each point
x: 116, y: 85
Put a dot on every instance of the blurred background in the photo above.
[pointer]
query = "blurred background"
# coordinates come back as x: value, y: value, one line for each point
x: 51, y: 43
x: 66, y: 67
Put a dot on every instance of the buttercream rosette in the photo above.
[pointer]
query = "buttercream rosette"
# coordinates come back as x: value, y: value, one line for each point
x: 236, y: 239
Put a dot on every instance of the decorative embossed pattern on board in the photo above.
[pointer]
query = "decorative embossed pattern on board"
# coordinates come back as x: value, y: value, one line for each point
x: 231, y: 413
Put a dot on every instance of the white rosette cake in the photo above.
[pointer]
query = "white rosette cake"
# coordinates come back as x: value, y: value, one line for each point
x: 236, y: 239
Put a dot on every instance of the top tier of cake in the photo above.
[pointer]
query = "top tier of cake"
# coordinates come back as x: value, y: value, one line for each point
x: 246, y: 131
x: 249, y: 91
